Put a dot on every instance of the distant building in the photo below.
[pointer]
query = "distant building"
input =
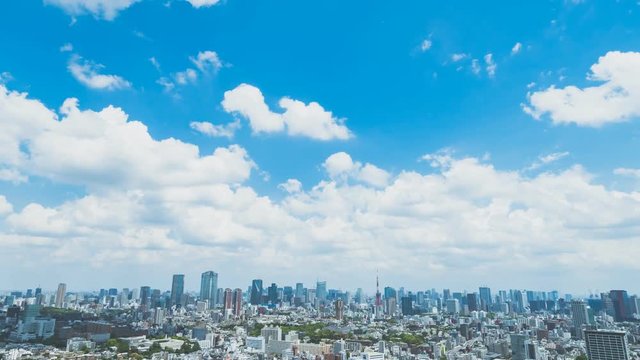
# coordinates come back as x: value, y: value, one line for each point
x: 271, y: 333
x: 209, y: 288
x: 256, y: 343
x: 256, y: 292
x: 237, y: 302
x: 177, y: 290
x: 60, y: 294
x: 453, y: 306
x: 339, y: 304
x: 606, y: 345
x: 580, y: 316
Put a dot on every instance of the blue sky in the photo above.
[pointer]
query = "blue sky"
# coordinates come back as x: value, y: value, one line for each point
x: 463, y: 81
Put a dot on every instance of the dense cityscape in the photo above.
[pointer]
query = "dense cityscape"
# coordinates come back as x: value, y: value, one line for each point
x: 317, y: 322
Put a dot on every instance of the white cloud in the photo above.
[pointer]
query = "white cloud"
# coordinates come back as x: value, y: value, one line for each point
x: 88, y: 74
x: 206, y: 61
x: 151, y: 202
x: 291, y: 186
x: 458, y: 57
x: 5, y: 206
x: 155, y: 62
x: 299, y: 119
x: 202, y: 3
x: 68, y: 47
x: 491, y: 65
x: 340, y: 166
x: 209, y: 129
x: 615, y: 99
x: 548, y: 159
x: 475, y: 67
x: 248, y: 101
x: 104, y: 9
x: 516, y: 48
x: 627, y: 172
x: 426, y: 45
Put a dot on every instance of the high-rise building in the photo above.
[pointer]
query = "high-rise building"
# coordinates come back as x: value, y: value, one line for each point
x: 391, y: 306
x: 145, y: 297
x: 580, y: 316
x: 321, y: 291
x: 228, y: 301
x: 620, y: 301
x: 522, y: 348
x: 606, y: 345
x: 60, y: 294
x: 453, y: 306
x: 237, y: 302
x: 407, y: 306
x: 300, y: 290
x: 472, y: 301
x: 272, y: 293
x: 339, y: 309
x: 485, y: 298
x: 209, y: 288
x: 177, y: 290
x: 256, y: 292
x: 271, y: 333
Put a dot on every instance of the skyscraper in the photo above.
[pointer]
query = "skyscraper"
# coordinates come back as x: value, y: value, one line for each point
x: 177, y: 290
x: 321, y: 291
x: 145, y: 297
x: 339, y: 309
x: 237, y: 302
x: 272, y: 293
x: 256, y: 292
x: 209, y: 288
x: 620, y: 301
x: 485, y: 298
x: 406, y: 305
x: 62, y: 290
x: 580, y: 316
x: 472, y: 301
x: 606, y: 345
x: 228, y: 301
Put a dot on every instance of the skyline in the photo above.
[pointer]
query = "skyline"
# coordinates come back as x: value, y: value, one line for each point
x: 320, y: 141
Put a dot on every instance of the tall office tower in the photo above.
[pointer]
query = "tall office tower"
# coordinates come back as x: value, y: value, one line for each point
x: 472, y: 301
x: 580, y: 316
x: 339, y: 309
x: 62, y: 291
x: 406, y: 305
x: 209, y: 288
x: 520, y: 300
x: 634, y: 301
x: 300, y: 290
x: 321, y: 291
x: 446, y: 294
x: 228, y: 301
x: 485, y: 298
x: 453, y: 306
x: 359, y: 296
x: 272, y: 293
x: 177, y: 290
x: 237, y: 302
x: 620, y: 301
x: 606, y: 345
x: 389, y: 292
x: 391, y: 306
x: 145, y: 297
x: 256, y: 292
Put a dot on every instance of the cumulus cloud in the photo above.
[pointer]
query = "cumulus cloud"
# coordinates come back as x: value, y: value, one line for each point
x: 88, y: 74
x: 299, y: 119
x: 206, y: 62
x: 491, y: 65
x: 615, y: 99
x: 102, y: 9
x: 209, y: 129
x: 426, y: 45
x: 150, y: 202
x: 340, y: 166
x: 457, y: 57
x: 516, y: 48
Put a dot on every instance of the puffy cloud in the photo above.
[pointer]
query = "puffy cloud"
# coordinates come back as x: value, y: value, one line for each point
x: 457, y: 57
x: 202, y: 3
x: 5, y: 206
x: 105, y: 149
x: 426, y: 45
x: 340, y: 166
x: 206, y: 61
x: 615, y: 99
x: 491, y: 65
x: 209, y: 129
x: 516, y: 48
x: 104, y: 9
x: 151, y: 202
x: 88, y: 74
x: 300, y: 119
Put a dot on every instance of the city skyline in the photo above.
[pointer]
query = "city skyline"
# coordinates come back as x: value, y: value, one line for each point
x: 443, y: 145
